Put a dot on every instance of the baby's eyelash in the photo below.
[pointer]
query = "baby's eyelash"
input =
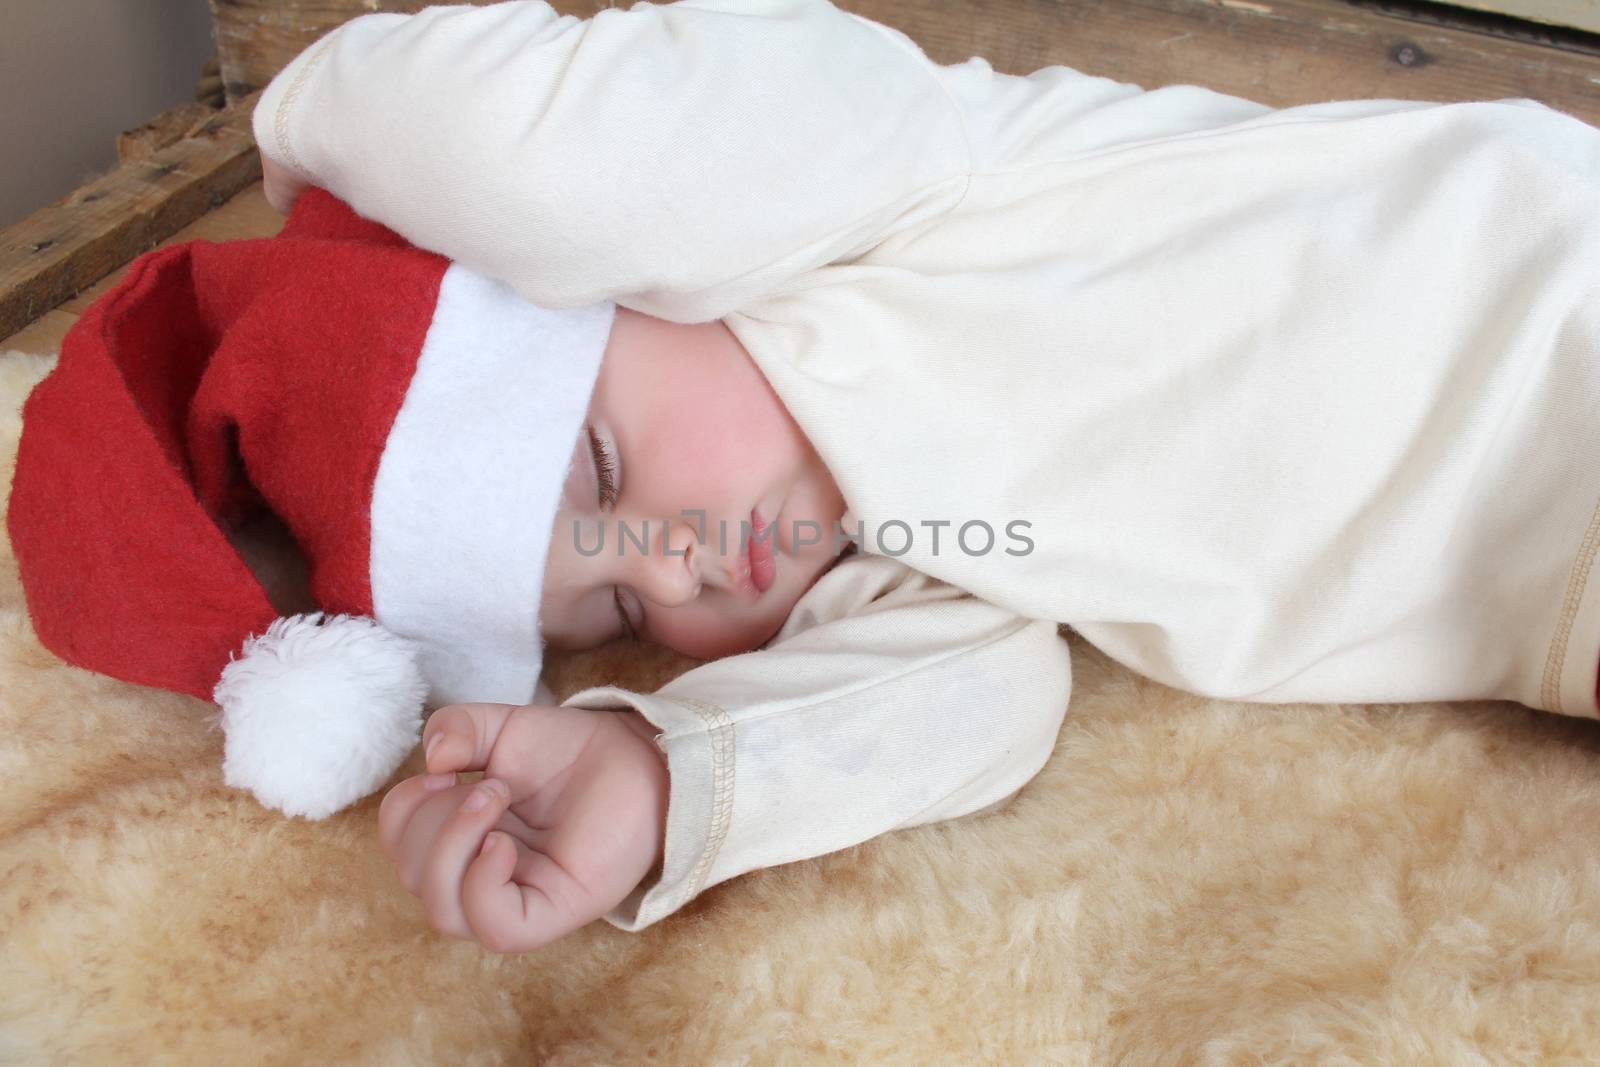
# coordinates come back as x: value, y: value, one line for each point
x: 622, y: 611
x: 607, y: 469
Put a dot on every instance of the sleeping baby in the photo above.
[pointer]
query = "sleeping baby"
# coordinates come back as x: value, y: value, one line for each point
x: 1272, y: 405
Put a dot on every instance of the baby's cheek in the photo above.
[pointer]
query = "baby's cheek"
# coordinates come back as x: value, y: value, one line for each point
x: 753, y: 433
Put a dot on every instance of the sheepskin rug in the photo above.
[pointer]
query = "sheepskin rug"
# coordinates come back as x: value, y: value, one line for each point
x: 1186, y: 882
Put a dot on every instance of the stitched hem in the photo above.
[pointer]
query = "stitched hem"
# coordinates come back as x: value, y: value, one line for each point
x: 1555, y: 662
x: 280, y: 121
x: 719, y: 731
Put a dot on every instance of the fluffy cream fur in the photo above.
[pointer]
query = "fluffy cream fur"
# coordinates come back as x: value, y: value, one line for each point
x: 1187, y: 881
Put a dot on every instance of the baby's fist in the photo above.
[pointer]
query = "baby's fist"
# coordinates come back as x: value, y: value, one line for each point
x: 579, y: 823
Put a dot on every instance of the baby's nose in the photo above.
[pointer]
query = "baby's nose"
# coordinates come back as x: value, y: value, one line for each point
x: 670, y: 569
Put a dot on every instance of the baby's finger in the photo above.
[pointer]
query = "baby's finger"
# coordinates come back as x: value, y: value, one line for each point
x: 491, y: 899
x: 400, y: 804
x: 513, y: 901
x: 455, y: 847
x: 459, y: 737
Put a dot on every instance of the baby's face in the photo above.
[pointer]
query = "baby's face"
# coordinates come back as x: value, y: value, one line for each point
x: 690, y: 425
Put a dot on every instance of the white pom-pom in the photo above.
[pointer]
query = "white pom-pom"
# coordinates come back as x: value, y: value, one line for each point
x: 318, y: 714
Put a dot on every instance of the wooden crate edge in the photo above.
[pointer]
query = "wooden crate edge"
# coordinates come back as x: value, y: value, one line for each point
x: 52, y: 254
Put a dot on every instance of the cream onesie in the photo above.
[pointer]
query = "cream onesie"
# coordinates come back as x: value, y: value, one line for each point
x: 1274, y: 405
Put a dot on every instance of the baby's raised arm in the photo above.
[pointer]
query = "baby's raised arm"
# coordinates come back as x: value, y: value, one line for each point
x: 687, y: 157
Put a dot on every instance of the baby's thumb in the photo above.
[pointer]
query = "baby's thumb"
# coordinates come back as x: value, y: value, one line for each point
x: 460, y: 737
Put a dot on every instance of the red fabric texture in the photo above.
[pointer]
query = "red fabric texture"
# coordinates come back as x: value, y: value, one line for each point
x: 215, y: 378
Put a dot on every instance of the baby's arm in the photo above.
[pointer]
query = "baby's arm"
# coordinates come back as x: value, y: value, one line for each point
x: 888, y: 700
x: 688, y: 157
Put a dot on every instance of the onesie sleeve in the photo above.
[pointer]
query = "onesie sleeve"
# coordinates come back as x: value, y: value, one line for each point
x: 889, y: 699
x: 680, y: 159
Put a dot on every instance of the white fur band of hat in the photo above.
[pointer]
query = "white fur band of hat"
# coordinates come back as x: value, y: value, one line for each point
x: 410, y: 422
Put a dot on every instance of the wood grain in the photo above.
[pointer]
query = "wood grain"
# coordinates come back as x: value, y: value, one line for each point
x: 1582, y: 14
x: 167, y: 128
x: 246, y: 215
x: 61, y: 249
x: 257, y: 38
x: 1278, y: 52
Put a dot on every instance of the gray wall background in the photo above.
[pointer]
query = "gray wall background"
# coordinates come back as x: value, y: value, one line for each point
x: 74, y: 74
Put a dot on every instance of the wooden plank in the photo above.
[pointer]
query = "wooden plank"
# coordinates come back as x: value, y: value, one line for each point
x: 1464, y: 18
x: 257, y: 38
x: 1278, y: 52
x: 165, y: 129
x: 247, y: 215
x: 61, y: 249
x: 1581, y: 14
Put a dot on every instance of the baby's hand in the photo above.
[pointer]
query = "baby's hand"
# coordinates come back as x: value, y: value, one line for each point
x: 281, y: 188
x: 578, y: 798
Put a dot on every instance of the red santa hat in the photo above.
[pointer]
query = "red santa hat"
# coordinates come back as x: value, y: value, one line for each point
x: 409, y: 421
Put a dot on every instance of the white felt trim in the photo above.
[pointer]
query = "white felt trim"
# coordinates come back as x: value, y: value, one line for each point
x: 465, y: 498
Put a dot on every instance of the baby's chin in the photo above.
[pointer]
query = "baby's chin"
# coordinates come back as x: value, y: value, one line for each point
x: 797, y: 596
x: 734, y: 640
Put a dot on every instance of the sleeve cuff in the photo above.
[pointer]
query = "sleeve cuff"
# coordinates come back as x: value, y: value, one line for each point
x: 698, y: 741
x: 271, y: 122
